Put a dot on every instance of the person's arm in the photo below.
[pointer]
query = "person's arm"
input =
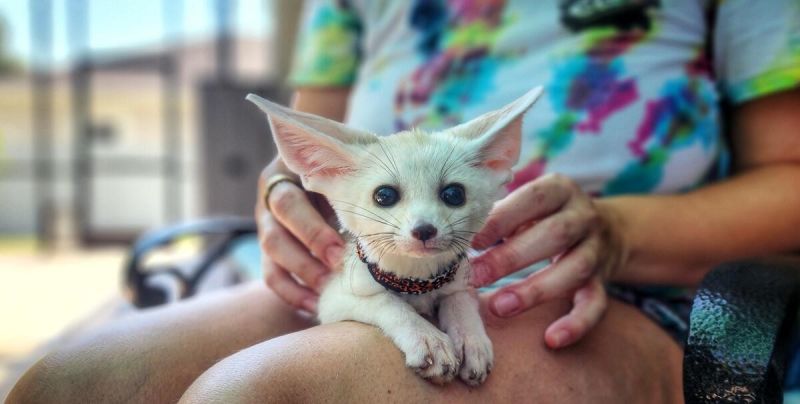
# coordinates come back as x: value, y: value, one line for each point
x: 646, y: 239
x: 676, y: 239
x: 667, y: 239
x: 297, y: 241
x: 327, y: 102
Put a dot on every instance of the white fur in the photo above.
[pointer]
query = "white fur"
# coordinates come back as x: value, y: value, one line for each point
x: 347, y: 165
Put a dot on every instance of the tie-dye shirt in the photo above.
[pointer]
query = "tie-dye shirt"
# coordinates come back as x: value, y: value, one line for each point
x: 633, y: 91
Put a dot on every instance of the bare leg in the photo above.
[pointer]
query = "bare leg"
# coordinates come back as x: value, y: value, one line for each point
x: 155, y: 355
x: 626, y: 358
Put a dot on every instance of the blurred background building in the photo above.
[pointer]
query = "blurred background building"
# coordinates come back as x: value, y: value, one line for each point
x: 101, y: 140
x: 117, y: 117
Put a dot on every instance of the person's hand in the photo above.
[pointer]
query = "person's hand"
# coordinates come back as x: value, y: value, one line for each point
x: 299, y: 247
x: 550, y: 218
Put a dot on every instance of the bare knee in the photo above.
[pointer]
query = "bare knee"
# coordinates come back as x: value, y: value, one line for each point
x: 323, y: 363
x: 255, y: 375
x: 58, y: 377
x: 99, y: 367
x: 33, y: 386
x: 222, y: 383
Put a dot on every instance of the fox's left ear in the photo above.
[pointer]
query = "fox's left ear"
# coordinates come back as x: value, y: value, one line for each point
x: 318, y: 149
x: 497, y: 135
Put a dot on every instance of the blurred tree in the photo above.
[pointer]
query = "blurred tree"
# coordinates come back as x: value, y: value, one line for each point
x: 8, y: 65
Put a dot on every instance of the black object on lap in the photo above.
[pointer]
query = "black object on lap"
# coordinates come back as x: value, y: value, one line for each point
x: 742, y: 322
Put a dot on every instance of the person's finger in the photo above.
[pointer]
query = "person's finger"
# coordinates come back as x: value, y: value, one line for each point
x: 589, y: 305
x: 292, y: 208
x: 288, y: 253
x: 533, y: 201
x: 287, y: 288
x: 559, y: 279
x: 276, y: 166
x: 543, y: 240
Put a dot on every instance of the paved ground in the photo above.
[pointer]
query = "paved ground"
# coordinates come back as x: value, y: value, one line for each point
x: 42, y: 296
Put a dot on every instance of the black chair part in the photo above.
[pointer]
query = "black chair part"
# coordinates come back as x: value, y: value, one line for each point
x: 741, y: 325
x: 144, y: 293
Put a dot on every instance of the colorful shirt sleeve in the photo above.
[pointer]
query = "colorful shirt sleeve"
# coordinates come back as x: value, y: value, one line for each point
x: 328, y: 49
x: 757, y: 47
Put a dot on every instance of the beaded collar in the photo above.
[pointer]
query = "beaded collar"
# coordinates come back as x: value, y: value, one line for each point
x: 411, y: 286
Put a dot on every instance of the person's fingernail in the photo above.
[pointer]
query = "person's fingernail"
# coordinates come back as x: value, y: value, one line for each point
x: 506, y: 304
x: 310, y: 304
x: 334, y: 255
x: 560, y: 338
x: 480, y: 275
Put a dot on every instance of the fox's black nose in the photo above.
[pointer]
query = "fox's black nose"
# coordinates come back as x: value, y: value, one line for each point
x: 424, y: 232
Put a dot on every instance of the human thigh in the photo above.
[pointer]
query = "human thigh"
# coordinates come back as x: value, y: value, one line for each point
x: 626, y: 358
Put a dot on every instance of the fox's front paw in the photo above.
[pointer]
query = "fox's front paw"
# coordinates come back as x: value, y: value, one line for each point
x: 478, y: 356
x: 431, y: 354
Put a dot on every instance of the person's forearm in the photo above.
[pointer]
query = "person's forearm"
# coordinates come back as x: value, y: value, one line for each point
x: 676, y: 239
x: 328, y: 102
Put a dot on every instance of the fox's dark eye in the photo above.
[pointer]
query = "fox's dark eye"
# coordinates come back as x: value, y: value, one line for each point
x: 386, y: 196
x: 453, y: 195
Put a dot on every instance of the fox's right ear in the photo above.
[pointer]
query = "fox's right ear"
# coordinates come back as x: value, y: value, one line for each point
x: 314, y: 147
x: 496, y: 136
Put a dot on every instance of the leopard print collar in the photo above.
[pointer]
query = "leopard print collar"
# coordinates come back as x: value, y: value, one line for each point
x: 411, y: 286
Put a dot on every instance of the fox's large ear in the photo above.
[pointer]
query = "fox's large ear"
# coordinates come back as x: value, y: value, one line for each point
x: 314, y: 147
x: 497, y: 135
